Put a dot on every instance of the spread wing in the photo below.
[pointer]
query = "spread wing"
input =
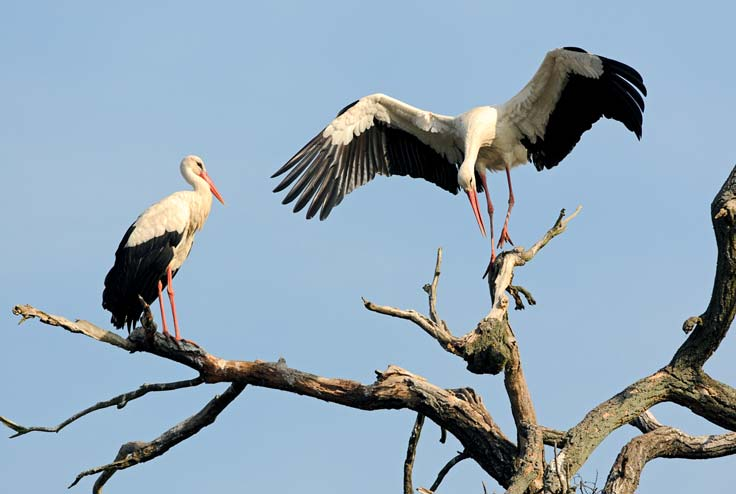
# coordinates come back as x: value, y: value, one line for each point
x: 570, y: 91
x: 376, y: 135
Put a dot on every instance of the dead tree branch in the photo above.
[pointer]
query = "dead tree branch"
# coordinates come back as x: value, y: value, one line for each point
x: 119, y: 401
x: 139, y: 452
x: 411, y: 453
x: 662, y: 442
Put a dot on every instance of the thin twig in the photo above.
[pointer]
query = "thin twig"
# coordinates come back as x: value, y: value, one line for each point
x: 559, y: 227
x: 120, y: 401
x: 441, y: 474
x: 145, y: 451
x: 411, y: 453
x: 432, y: 289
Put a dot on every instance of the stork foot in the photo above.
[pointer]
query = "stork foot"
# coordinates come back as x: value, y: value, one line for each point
x: 173, y: 339
x: 504, y: 237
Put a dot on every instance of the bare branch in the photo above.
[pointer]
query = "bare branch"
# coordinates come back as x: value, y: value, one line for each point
x: 438, y: 331
x: 411, y: 452
x: 139, y: 452
x: 81, y: 327
x: 711, y: 327
x: 503, y: 268
x: 662, y: 442
x: 120, y: 401
x: 597, y: 424
x: 445, y: 470
x: 559, y: 227
x: 432, y: 290
x: 705, y: 396
x: 516, y: 291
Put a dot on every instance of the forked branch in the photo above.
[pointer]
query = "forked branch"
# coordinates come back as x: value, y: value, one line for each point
x: 139, y: 452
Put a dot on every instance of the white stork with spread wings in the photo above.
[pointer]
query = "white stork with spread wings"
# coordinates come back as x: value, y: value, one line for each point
x: 381, y: 135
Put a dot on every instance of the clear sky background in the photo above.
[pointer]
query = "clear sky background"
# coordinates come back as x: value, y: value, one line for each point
x: 100, y: 103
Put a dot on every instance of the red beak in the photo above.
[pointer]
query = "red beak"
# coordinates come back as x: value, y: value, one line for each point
x: 474, y: 204
x: 214, y: 190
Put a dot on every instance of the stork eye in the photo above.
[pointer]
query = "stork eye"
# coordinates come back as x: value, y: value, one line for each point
x: 200, y: 166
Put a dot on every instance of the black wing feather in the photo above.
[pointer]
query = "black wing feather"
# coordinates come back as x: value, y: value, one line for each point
x: 327, y: 172
x: 583, y: 101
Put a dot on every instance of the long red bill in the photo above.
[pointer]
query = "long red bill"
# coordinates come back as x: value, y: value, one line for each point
x: 214, y: 190
x: 474, y: 204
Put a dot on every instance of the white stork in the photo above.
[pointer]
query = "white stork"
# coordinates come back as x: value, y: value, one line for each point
x: 381, y: 135
x: 155, y: 246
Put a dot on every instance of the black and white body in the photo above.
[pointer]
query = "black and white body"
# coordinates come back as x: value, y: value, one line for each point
x: 155, y: 246
x: 380, y: 135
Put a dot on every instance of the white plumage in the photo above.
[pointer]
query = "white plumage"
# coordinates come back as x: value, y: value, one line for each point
x: 380, y: 135
x: 156, y: 245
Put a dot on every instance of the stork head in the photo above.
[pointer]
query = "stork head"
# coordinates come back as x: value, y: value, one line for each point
x: 192, y: 167
x: 467, y: 182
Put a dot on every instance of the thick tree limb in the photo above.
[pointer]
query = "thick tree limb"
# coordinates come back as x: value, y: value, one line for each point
x: 119, y: 401
x: 530, y: 462
x: 705, y: 396
x: 662, y: 442
x: 139, y: 452
x: 711, y: 327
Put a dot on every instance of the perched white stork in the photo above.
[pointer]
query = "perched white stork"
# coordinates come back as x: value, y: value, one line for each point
x: 155, y: 246
x: 381, y: 135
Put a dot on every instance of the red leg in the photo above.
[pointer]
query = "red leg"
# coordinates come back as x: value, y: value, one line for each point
x: 490, y: 220
x: 170, y: 290
x: 161, y: 305
x: 505, y: 232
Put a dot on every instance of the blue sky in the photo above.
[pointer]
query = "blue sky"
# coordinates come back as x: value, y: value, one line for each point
x: 100, y: 102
